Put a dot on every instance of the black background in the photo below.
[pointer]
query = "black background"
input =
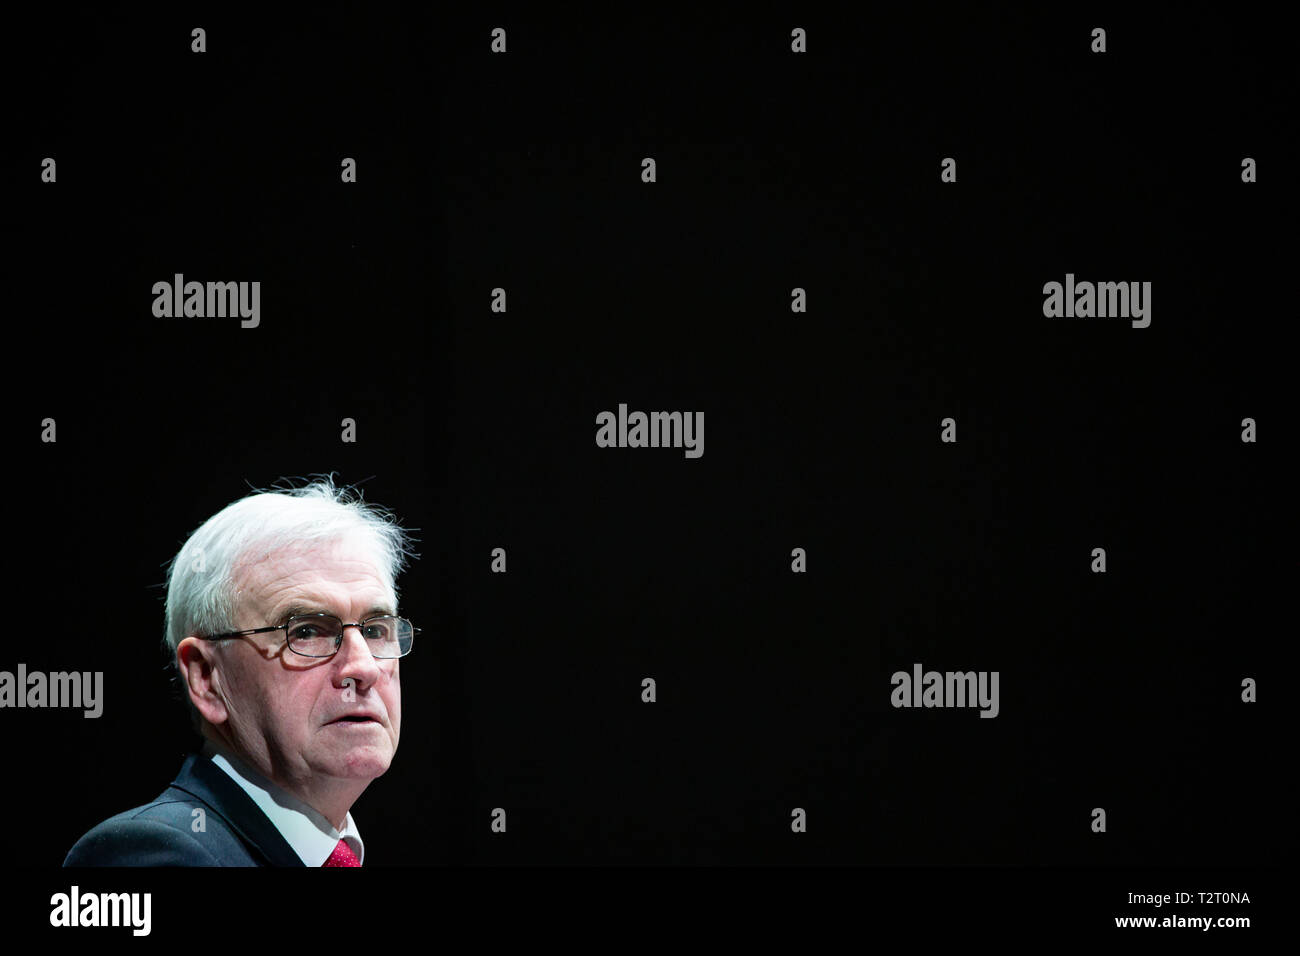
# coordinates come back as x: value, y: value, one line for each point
x: 775, y: 170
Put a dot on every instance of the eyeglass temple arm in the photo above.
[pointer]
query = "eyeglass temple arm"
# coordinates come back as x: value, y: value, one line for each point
x: 256, y: 630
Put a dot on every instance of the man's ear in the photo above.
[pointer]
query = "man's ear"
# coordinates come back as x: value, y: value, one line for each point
x: 196, y: 661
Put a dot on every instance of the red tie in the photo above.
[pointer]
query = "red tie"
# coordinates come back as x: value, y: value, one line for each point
x: 342, y: 856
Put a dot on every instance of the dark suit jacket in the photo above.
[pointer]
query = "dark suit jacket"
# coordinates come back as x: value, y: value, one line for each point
x: 162, y: 833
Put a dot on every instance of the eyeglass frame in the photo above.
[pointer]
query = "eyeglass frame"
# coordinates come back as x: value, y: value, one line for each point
x: 343, y: 627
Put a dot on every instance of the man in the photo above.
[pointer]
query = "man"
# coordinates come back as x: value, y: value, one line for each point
x: 282, y: 624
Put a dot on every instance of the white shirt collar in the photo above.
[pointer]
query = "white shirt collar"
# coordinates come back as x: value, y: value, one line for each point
x: 312, y: 837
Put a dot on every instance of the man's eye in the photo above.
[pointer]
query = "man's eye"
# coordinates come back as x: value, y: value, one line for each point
x: 305, y: 632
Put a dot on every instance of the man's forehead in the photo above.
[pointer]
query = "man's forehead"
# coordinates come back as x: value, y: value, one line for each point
x: 313, y: 571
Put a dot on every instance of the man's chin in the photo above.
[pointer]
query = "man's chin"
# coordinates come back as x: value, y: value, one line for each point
x: 363, y: 763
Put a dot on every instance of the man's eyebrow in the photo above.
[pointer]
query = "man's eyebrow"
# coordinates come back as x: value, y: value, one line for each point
x: 295, y: 609
x: 379, y: 610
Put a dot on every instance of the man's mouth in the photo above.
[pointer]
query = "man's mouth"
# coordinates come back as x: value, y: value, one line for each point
x: 355, y: 719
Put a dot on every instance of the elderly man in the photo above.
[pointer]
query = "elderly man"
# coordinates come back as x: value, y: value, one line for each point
x: 282, y: 622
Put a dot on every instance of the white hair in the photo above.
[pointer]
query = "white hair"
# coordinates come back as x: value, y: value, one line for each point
x: 200, y: 590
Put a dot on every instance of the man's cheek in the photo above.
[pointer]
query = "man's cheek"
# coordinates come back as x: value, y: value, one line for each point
x: 394, y: 695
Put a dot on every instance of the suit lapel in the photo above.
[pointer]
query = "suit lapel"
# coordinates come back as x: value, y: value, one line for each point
x: 204, y: 780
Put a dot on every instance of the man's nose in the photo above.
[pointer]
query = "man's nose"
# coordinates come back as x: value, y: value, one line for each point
x: 355, y: 657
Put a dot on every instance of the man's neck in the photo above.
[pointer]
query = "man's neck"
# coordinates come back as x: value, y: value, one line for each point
x: 332, y: 798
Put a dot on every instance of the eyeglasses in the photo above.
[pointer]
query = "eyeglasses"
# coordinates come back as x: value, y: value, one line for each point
x: 321, y: 635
